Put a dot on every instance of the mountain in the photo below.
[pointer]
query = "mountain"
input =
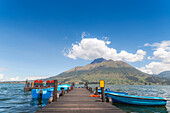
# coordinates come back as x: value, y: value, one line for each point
x: 165, y: 74
x: 113, y: 72
x: 99, y: 60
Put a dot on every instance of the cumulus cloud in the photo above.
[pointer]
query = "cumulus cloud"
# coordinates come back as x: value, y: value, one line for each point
x: 162, y: 54
x: 155, y: 68
x: 164, y: 44
x: 92, y: 48
x: 145, y: 70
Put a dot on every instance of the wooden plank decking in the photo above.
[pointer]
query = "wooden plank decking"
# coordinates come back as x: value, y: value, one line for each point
x: 79, y: 101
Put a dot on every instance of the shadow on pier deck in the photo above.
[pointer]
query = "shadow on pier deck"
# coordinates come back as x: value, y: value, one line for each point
x: 79, y: 101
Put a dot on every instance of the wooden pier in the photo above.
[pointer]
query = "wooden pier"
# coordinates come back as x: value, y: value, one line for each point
x: 78, y: 100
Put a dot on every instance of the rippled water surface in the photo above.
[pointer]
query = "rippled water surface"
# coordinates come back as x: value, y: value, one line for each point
x: 13, y: 99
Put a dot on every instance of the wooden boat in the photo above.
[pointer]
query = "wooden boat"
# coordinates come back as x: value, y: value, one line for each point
x: 136, y: 100
x: 109, y: 91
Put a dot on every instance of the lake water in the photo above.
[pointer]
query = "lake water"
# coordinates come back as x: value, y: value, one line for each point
x: 13, y: 99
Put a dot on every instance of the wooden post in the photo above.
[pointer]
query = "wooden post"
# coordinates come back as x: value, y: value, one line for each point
x: 67, y: 89
x: 86, y: 85
x: 71, y: 87
x: 62, y: 91
x: 103, y: 94
x: 91, y: 90
x: 102, y: 90
x: 73, y: 84
x: 28, y: 84
x: 55, y: 90
x: 96, y: 91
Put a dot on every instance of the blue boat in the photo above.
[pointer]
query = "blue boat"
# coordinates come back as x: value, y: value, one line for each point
x: 109, y: 91
x: 47, y: 92
x: 137, y: 100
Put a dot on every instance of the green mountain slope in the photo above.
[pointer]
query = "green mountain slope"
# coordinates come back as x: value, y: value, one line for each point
x: 113, y: 72
x: 165, y: 74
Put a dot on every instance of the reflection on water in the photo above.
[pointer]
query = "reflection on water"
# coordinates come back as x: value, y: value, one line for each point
x: 141, y: 109
x: 39, y: 102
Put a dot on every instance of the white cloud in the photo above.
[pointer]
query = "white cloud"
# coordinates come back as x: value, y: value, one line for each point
x: 164, y: 44
x: 83, y: 34
x: 161, y: 53
x: 132, y: 57
x: 1, y: 76
x: 92, y: 48
x: 14, y: 79
x: 108, y: 42
x: 149, y: 58
x: 155, y: 68
x: 105, y: 38
x: 145, y: 70
x: 35, y: 78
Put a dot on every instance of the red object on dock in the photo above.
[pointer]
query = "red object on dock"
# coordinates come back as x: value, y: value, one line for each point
x: 47, y: 83
x: 94, y: 95
x: 41, y: 83
x: 53, y: 83
x: 35, y: 82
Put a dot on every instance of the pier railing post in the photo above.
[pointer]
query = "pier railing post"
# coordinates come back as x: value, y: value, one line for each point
x: 96, y: 91
x: 55, y: 90
x: 68, y: 89
x: 28, y: 84
x: 103, y: 95
x: 90, y: 89
x: 71, y: 87
x: 86, y: 85
x: 73, y: 84
x: 62, y: 91
x: 102, y: 90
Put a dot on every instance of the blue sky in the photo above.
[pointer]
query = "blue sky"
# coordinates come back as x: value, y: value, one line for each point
x: 34, y: 34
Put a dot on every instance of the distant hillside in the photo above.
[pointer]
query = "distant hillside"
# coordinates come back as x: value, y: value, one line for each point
x: 165, y: 74
x: 113, y: 72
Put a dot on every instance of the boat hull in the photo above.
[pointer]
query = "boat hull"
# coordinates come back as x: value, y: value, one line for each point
x: 48, y: 92
x: 106, y: 92
x: 137, y: 100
